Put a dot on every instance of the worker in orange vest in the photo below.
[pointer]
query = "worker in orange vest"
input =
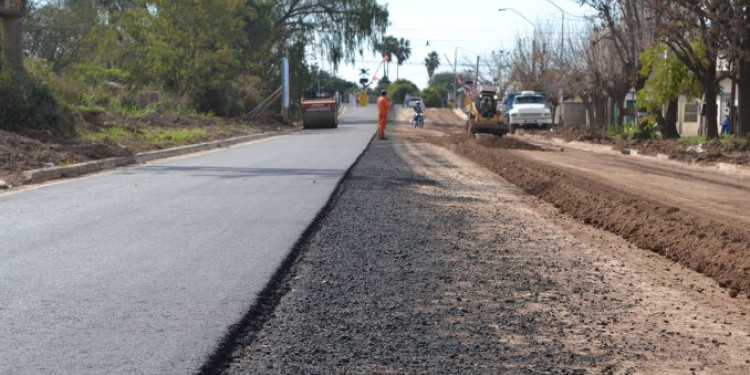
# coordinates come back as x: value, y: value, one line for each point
x: 383, y: 106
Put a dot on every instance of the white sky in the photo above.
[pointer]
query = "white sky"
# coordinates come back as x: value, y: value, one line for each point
x: 475, y: 27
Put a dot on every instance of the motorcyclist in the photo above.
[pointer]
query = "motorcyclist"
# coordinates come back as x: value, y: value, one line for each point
x: 417, y: 118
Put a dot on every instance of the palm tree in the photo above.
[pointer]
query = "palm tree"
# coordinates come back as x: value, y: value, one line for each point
x: 398, y: 48
x: 402, y: 53
x: 432, y: 62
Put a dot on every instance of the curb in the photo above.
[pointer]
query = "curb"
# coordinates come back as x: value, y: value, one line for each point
x: 45, y: 174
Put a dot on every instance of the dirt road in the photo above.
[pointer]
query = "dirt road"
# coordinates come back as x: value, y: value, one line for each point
x: 692, y: 215
x: 429, y: 264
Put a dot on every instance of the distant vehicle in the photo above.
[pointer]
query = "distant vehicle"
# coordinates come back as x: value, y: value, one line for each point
x: 526, y: 109
x: 413, y: 102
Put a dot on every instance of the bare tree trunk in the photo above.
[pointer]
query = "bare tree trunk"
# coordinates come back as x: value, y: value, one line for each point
x: 743, y: 90
x: 712, y: 110
x: 670, y: 121
x: 12, y: 41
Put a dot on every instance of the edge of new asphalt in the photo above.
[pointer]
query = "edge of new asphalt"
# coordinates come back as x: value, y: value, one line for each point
x: 35, y: 176
x: 242, y: 332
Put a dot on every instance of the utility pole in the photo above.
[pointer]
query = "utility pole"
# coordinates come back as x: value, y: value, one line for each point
x: 455, y: 76
x: 476, y: 78
x: 285, y: 88
x: 12, y: 13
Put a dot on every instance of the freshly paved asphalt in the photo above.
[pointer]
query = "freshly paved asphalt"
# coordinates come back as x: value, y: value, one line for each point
x: 144, y: 269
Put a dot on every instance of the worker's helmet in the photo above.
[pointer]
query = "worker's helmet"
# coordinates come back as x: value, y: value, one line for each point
x: 382, y: 92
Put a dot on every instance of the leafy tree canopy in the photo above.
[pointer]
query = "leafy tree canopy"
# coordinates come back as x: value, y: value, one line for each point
x: 398, y: 89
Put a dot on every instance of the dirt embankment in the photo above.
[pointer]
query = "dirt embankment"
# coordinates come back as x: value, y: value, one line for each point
x: 705, y: 244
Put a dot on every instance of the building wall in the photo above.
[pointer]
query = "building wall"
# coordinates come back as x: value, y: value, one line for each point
x: 688, y: 123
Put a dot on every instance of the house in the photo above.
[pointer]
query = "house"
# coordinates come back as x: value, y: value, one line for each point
x: 689, y: 109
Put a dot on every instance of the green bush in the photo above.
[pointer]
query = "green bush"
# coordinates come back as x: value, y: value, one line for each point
x: 433, y: 97
x: 397, y: 90
x: 29, y: 105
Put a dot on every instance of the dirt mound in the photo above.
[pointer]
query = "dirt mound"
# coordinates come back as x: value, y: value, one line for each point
x: 706, y: 246
x: 491, y: 141
x: 580, y: 133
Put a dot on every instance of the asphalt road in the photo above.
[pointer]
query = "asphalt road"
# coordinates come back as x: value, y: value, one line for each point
x: 143, y: 270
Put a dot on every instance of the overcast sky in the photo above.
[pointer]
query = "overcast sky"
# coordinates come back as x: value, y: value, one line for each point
x: 468, y: 27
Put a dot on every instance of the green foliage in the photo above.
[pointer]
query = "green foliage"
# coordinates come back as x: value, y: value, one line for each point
x: 173, y: 137
x: 28, y: 104
x: 56, y: 31
x: 433, y: 96
x: 136, y: 112
x: 114, y: 134
x: 398, y: 49
x: 154, y: 138
x: 445, y: 81
x: 397, y: 90
x: 432, y: 62
x: 667, y: 79
x: 215, y: 56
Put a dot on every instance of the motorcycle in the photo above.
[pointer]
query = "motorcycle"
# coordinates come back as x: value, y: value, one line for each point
x: 417, y: 119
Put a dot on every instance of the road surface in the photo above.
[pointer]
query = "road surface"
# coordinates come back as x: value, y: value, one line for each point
x: 428, y: 263
x: 143, y: 270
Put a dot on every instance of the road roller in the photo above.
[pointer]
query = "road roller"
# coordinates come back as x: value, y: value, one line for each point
x: 320, y: 110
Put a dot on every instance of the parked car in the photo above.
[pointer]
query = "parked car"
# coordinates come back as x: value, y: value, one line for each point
x: 413, y: 101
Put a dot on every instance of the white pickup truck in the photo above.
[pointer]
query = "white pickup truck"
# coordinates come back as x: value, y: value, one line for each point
x: 529, y: 109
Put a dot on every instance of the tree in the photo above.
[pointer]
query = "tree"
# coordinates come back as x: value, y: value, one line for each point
x: 402, y: 53
x: 55, y: 31
x: 390, y: 47
x: 432, y: 62
x: 338, y: 29
x: 433, y: 96
x: 530, y: 60
x: 189, y: 47
x: 731, y: 28
x: 686, y: 28
x: 629, y: 27
x: 444, y: 80
x: 399, y: 88
x: 667, y: 78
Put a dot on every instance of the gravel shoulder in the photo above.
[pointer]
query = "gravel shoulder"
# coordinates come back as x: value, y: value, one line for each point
x: 427, y: 263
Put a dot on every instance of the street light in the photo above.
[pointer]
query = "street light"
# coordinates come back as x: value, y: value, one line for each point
x: 519, y: 14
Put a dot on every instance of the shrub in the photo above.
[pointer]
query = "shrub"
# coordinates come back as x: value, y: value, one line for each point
x: 397, y: 90
x: 433, y: 96
x: 29, y: 105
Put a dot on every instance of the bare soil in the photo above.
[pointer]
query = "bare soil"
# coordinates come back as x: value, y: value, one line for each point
x: 428, y: 263
x: 690, y: 215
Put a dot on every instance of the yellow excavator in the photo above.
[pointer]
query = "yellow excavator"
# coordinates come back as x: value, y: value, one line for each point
x: 484, y: 116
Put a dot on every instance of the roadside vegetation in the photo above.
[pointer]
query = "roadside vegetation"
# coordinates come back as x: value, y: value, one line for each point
x: 132, y: 58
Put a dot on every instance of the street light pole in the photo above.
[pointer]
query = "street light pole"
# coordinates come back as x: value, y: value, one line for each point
x: 520, y: 15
